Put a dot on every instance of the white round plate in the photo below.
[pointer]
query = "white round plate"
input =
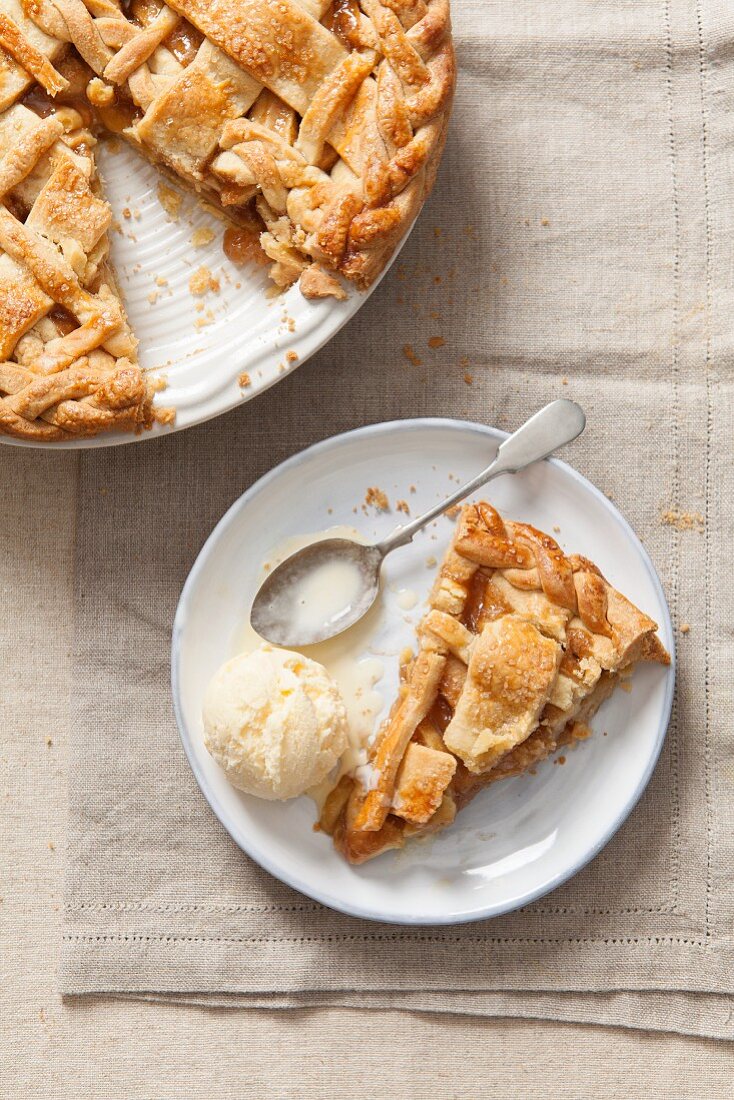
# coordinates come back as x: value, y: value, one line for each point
x: 521, y: 837
x: 200, y: 345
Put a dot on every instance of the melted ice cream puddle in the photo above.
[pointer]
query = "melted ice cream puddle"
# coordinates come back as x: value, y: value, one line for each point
x: 323, y: 595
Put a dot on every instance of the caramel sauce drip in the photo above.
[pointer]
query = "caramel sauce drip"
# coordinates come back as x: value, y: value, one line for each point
x: 242, y: 245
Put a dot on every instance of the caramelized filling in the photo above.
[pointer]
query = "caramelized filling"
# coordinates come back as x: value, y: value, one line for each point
x: 344, y: 22
x: 578, y: 642
x: 118, y: 116
x: 328, y: 158
x: 144, y: 11
x: 484, y: 604
x: 441, y: 713
x: 65, y: 322
x: 242, y: 245
x: 78, y: 74
x: 184, y: 42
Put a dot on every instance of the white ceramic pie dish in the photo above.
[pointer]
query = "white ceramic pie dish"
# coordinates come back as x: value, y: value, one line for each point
x: 245, y: 330
x: 520, y: 838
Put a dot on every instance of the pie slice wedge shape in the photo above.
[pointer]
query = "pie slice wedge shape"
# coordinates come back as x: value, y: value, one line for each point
x: 520, y: 645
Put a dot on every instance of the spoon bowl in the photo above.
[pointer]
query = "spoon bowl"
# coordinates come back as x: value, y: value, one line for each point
x: 317, y: 593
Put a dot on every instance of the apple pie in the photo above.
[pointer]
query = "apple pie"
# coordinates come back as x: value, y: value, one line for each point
x: 519, y: 647
x: 319, y: 122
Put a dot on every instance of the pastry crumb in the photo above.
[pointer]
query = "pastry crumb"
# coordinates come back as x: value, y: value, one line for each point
x: 564, y: 381
x: 100, y: 94
x: 376, y: 498
x: 49, y: 742
x: 410, y: 355
x: 153, y: 297
x: 126, y: 212
x: 556, y: 528
x: 436, y: 341
x: 202, y: 236
x: 431, y: 562
x: 685, y: 628
x: 170, y: 200
x: 402, y: 506
x: 544, y: 221
x: 244, y: 380
x: 203, y: 282
x: 683, y: 521
x: 453, y: 511
x: 291, y: 357
x: 316, y: 283
x: 160, y: 281
x: 468, y: 378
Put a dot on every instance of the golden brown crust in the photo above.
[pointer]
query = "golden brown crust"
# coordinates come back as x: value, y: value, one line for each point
x: 317, y: 283
x: 520, y: 645
x: 331, y: 116
x: 67, y: 357
x: 358, y: 91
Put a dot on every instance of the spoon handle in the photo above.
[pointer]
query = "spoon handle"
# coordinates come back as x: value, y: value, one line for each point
x: 554, y: 425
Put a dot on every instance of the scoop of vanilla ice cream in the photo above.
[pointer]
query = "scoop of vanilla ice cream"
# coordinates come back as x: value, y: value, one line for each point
x: 274, y: 721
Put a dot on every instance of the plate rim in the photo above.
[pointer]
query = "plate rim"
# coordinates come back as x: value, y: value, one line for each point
x: 482, y: 912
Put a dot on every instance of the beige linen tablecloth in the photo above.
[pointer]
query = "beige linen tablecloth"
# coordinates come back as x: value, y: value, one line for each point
x: 579, y: 243
x: 104, y: 1049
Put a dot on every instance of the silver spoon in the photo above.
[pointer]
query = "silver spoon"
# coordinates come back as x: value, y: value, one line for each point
x: 274, y: 611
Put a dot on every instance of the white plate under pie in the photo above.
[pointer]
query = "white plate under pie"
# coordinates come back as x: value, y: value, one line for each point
x: 200, y: 345
x: 518, y: 839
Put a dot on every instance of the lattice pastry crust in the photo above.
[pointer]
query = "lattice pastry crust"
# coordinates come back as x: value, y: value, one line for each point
x: 331, y: 113
x: 328, y: 116
x: 67, y: 358
x: 520, y: 645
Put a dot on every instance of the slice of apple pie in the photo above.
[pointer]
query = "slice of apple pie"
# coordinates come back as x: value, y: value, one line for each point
x: 520, y: 645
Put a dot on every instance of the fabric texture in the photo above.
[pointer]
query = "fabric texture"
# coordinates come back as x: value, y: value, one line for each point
x: 579, y: 243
